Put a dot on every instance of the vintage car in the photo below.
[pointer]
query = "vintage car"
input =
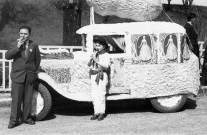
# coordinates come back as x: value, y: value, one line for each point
x: 149, y: 60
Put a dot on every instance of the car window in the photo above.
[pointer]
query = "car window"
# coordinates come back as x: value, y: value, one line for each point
x: 116, y: 43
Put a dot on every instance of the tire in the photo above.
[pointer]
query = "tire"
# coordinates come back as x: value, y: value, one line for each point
x: 168, y: 104
x: 41, y: 102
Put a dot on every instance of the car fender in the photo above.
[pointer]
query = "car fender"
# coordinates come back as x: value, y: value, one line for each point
x: 57, y: 87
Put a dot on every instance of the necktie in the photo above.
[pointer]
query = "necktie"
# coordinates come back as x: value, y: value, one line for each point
x: 26, y: 51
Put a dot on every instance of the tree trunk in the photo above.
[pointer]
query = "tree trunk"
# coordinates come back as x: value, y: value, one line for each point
x: 71, y: 23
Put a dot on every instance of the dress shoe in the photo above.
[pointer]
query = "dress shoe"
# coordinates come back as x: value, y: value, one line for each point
x: 30, y: 122
x: 101, y: 117
x: 10, y: 126
x: 94, y: 117
x: 20, y: 121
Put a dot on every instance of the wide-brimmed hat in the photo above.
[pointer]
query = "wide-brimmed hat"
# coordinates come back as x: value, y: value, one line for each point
x: 100, y: 40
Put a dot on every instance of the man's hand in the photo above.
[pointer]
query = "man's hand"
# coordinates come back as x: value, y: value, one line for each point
x: 20, y: 42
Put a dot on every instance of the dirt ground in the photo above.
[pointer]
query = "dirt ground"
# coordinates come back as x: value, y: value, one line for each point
x: 124, y: 117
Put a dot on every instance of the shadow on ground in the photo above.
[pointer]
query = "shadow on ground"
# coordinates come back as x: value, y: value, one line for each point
x: 74, y: 108
x: 190, y: 104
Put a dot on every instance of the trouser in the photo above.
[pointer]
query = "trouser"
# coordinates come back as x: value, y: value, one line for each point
x: 21, y: 93
x: 98, y: 93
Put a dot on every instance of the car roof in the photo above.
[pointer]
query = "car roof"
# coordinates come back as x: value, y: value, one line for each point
x: 132, y: 28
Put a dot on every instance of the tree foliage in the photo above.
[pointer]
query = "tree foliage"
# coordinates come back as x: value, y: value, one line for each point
x: 72, y: 15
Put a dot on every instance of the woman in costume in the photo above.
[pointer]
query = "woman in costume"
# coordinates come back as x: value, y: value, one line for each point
x: 145, y: 51
x: 172, y: 52
x: 186, y: 51
x: 99, y: 63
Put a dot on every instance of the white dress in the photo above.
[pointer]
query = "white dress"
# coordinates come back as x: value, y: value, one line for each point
x: 186, y: 52
x: 172, y: 52
x: 145, y: 51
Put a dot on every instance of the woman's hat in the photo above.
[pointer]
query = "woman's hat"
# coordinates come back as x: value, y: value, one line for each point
x: 191, y: 16
x: 100, y: 40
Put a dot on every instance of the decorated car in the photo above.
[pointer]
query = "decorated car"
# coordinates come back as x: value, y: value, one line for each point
x: 149, y: 60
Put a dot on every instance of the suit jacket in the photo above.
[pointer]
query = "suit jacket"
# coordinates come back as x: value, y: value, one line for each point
x: 193, y: 37
x: 24, y: 66
x: 204, y: 69
x: 191, y: 32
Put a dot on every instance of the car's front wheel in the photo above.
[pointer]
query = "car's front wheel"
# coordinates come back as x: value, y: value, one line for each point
x: 41, y: 102
x: 169, y: 104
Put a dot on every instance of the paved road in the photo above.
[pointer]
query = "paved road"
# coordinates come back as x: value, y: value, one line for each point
x: 124, y: 117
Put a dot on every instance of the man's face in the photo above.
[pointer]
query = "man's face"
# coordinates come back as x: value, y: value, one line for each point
x: 193, y: 20
x: 24, y: 34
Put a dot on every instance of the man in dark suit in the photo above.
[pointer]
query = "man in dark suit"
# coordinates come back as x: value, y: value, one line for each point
x: 26, y: 60
x: 192, y: 36
x: 204, y: 69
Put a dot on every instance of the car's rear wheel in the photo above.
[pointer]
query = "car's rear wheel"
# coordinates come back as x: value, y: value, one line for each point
x: 169, y: 104
x: 41, y: 103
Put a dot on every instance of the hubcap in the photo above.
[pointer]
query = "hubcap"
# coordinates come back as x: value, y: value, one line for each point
x: 37, y: 103
x: 170, y: 100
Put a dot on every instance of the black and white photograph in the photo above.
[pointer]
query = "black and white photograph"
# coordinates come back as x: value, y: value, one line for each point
x: 103, y: 67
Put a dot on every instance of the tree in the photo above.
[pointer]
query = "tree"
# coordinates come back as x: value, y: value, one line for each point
x: 4, y: 13
x: 71, y: 22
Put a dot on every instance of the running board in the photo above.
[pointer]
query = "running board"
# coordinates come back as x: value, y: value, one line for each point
x: 119, y: 96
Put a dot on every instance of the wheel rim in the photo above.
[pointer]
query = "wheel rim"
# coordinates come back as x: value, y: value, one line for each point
x: 37, y: 103
x: 169, y: 101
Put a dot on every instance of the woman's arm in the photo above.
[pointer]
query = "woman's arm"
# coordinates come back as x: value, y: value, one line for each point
x: 104, y: 62
x: 102, y: 65
x: 90, y: 62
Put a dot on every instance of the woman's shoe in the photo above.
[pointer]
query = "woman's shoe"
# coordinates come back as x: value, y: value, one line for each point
x: 94, y: 117
x: 30, y: 122
x: 101, y: 117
